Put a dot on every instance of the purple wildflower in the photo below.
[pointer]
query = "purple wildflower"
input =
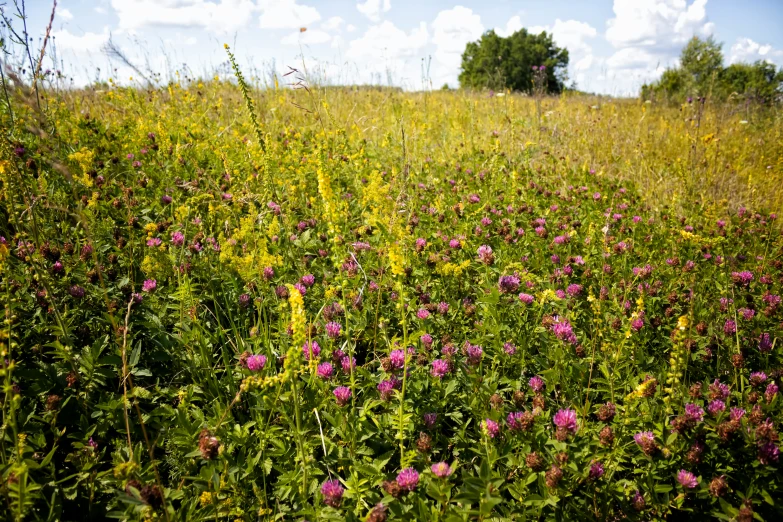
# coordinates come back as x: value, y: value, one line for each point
x: 342, y: 394
x: 408, y: 479
x: 256, y: 363
x: 687, y: 479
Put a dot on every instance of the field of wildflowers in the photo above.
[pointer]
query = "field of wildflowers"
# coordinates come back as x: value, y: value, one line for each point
x: 363, y: 304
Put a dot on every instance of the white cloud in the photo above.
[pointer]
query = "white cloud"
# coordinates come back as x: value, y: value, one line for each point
x: 660, y: 24
x: 452, y: 30
x: 334, y: 23
x: 67, y: 41
x: 286, y: 14
x: 648, y: 36
x: 388, y: 40
x: 746, y: 50
x: 310, y: 37
x: 574, y: 36
x: 372, y: 9
x: 223, y: 16
x: 100, y: 10
x: 191, y: 40
x: 513, y: 25
x: 350, y: 28
x: 386, y: 51
x: 65, y: 14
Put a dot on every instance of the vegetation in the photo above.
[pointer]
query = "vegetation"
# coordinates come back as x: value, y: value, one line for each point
x: 230, y: 303
x: 701, y: 74
x: 494, y: 62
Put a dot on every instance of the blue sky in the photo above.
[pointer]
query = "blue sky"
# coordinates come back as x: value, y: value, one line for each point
x: 615, y: 45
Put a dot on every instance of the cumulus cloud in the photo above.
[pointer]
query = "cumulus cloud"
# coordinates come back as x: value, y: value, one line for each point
x: 648, y: 36
x: 513, y: 25
x: 746, y: 50
x: 220, y: 16
x: 664, y: 25
x: 88, y: 42
x: 386, y: 49
x: 452, y: 30
x: 65, y: 14
x: 387, y: 40
x: 372, y: 9
x: 310, y: 37
x: 334, y: 23
x: 286, y: 14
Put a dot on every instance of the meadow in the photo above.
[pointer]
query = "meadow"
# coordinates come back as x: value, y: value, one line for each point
x: 232, y: 303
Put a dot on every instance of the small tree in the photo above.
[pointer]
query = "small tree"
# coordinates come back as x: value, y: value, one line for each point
x: 495, y: 62
x: 701, y: 61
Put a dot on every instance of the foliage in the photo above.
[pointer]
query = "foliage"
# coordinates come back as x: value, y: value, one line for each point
x: 494, y: 62
x: 701, y: 73
x: 579, y: 281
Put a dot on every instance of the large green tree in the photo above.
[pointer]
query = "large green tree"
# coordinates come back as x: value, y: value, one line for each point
x: 494, y: 62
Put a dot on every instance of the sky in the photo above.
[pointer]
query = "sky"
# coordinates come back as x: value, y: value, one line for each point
x: 615, y: 45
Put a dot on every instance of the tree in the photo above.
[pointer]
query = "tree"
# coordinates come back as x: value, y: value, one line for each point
x: 701, y: 61
x: 494, y: 62
x: 759, y: 80
x: 701, y: 73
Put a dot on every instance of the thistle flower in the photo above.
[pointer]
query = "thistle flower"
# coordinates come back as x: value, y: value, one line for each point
x: 687, y: 479
x: 441, y: 470
x: 256, y: 363
x: 408, y: 479
x: 430, y: 419
x: 342, y: 394
x: 332, y: 492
